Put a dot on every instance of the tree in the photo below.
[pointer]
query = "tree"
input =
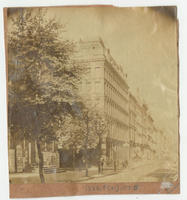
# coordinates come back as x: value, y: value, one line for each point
x: 100, y: 126
x: 84, y: 130
x: 42, y: 78
x: 71, y: 136
x: 87, y: 131
x: 93, y: 129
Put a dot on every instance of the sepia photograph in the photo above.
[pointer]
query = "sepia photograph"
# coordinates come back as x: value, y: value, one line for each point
x: 93, y: 98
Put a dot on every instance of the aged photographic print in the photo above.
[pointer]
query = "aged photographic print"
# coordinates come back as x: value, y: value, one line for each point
x: 93, y: 99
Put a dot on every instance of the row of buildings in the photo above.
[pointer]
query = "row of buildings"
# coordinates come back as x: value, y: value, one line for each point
x: 132, y: 133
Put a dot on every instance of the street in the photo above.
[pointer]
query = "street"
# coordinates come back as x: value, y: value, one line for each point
x: 152, y: 171
x: 147, y: 171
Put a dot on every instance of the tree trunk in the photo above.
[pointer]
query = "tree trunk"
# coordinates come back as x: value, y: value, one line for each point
x: 86, y: 173
x: 40, y: 156
x: 99, y: 167
x: 99, y: 155
x: 73, y: 152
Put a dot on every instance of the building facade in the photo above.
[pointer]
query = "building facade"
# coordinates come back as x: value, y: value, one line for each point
x: 104, y: 88
x: 142, y: 132
x: 23, y: 155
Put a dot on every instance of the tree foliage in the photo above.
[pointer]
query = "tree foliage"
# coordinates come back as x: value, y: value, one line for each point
x: 42, y: 87
x: 42, y: 77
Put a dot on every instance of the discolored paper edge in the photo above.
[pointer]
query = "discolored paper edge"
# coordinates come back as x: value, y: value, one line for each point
x: 73, y: 189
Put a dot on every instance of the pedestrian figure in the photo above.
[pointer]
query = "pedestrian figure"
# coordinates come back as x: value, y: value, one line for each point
x: 115, y: 167
x: 99, y: 166
x: 80, y: 164
x: 102, y: 164
x: 126, y: 163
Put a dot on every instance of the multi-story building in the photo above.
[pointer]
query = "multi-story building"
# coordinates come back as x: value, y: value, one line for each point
x: 142, y: 131
x: 150, y: 132
x: 137, y: 129
x: 104, y: 88
x: 132, y: 125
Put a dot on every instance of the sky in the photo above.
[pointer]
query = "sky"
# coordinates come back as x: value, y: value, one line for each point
x: 144, y: 42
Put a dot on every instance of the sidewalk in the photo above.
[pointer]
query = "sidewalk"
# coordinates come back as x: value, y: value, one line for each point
x: 93, y: 173
x: 140, y: 163
x: 77, y: 175
x: 67, y: 176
